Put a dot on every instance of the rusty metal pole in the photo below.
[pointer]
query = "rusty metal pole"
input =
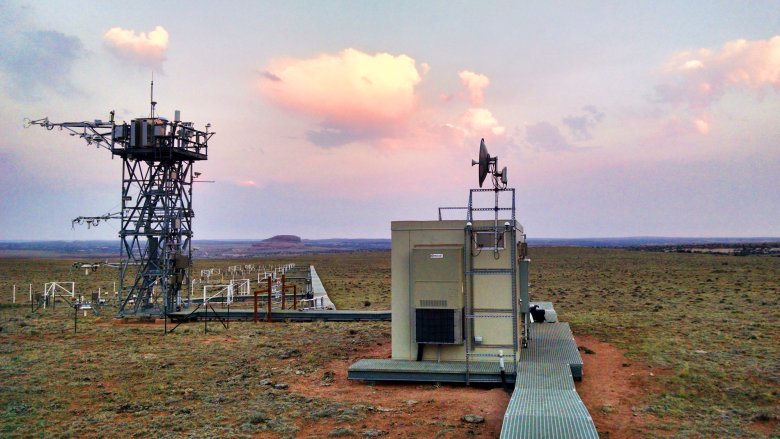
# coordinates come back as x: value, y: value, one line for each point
x: 256, y: 291
x: 284, y: 292
x: 295, y: 296
x: 268, y: 314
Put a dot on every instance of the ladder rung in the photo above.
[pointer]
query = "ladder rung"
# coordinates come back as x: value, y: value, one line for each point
x: 488, y: 315
x: 491, y: 271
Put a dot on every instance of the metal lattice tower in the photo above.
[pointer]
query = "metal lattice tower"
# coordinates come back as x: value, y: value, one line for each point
x: 156, y: 214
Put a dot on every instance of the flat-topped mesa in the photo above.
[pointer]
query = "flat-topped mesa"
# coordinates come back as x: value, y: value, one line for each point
x: 280, y: 241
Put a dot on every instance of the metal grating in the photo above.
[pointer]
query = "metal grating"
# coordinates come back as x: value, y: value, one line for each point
x: 547, y: 413
x: 541, y: 427
x: 546, y: 405
x: 547, y: 402
x: 544, y: 376
x: 552, y: 331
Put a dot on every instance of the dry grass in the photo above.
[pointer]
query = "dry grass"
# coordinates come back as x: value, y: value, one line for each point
x: 708, y: 324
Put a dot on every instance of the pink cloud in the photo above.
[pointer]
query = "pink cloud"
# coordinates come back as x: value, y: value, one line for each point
x: 351, y: 89
x: 480, y: 122
x: 145, y: 49
x: 363, y: 98
x: 699, y: 78
x: 249, y: 183
x: 702, y: 125
x: 476, y: 84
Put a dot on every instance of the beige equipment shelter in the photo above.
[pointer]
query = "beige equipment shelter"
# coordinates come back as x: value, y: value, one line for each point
x: 456, y: 290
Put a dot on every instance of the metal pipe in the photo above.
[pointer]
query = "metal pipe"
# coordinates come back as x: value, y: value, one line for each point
x: 256, y: 291
x: 268, y: 313
x: 284, y: 292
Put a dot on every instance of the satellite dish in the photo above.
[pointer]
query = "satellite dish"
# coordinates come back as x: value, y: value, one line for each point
x: 484, y: 162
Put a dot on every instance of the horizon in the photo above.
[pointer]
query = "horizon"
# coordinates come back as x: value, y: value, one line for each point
x: 530, y: 238
x: 614, y: 120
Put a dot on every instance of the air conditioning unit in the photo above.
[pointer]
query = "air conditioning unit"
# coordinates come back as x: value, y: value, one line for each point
x: 437, y: 294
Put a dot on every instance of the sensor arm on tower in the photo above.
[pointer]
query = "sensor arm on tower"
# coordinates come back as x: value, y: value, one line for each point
x: 97, y: 132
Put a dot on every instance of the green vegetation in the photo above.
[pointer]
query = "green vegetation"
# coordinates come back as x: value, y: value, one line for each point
x: 706, y: 324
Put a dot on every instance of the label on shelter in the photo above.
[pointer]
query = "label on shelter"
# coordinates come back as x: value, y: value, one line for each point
x: 437, y: 255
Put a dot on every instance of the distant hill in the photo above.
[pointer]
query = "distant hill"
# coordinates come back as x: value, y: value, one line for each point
x: 280, y: 242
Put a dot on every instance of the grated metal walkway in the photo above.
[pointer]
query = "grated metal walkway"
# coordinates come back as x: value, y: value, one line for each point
x: 545, y: 403
x: 553, y: 343
x: 313, y: 315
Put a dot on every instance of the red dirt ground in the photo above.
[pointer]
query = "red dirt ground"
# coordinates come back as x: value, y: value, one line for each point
x: 405, y: 410
x: 610, y: 390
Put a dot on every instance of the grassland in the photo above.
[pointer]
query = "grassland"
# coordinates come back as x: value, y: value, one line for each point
x: 707, y: 325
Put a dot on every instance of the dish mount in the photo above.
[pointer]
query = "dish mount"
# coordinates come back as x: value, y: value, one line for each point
x: 489, y: 165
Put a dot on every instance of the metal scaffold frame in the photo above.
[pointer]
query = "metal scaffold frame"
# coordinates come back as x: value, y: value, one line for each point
x: 471, y: 272
x: 52, y: 290
x: 156, y: 205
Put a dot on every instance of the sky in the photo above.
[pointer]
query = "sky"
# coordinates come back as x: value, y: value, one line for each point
x: 334, y: 118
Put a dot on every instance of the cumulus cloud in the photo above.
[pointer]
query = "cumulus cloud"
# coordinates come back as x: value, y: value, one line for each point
x: 699, y: 78
x: 144, y: 49
x: 702, y: 125
x: 351, y: 90
x: 32, y: 60
x: 480, y: 122
x: 475, y: 83
x: 356, y: 97
x: 544, y: 136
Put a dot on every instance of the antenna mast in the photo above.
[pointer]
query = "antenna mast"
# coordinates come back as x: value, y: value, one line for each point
x: 151, y: 98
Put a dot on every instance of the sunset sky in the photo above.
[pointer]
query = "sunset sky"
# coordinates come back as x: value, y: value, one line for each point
x: 335, y: 118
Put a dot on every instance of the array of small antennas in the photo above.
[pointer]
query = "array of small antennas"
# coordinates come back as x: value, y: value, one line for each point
x: 489, y: 165
x: 91, y: 221
x: 263, y: 272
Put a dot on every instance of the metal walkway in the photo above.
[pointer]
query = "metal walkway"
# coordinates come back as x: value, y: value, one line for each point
x: 278, y: 315
x: 553, y: 343
x: 545, y: 403
x: 318, y: 291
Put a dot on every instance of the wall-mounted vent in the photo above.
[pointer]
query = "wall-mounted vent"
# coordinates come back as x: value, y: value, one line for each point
x: 439, y: 326
x: 432, y: 303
